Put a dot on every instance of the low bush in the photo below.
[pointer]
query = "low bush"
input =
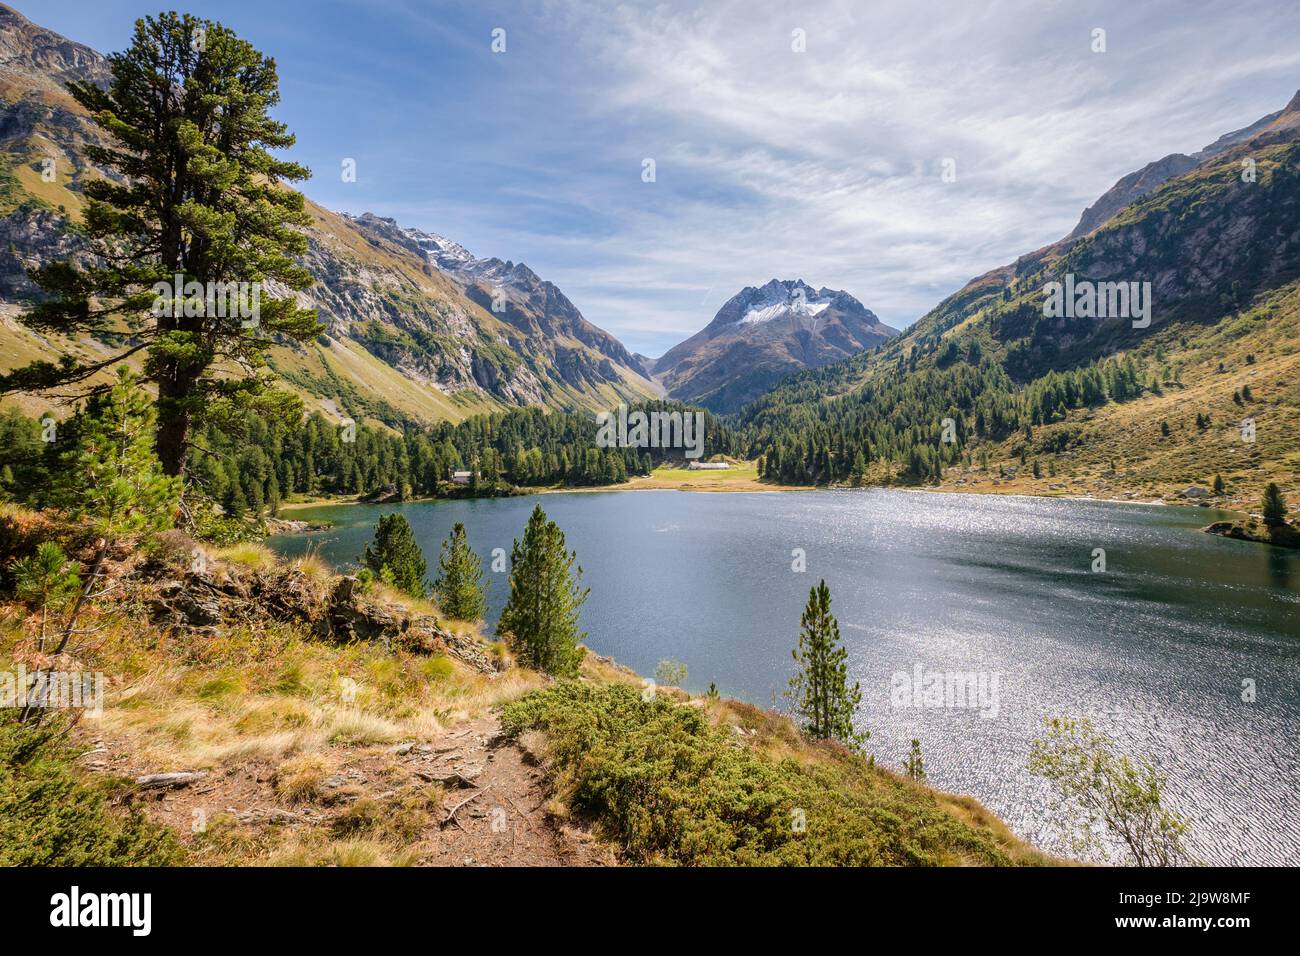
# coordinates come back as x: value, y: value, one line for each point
x: 50, y: 817
x: 668, y: 787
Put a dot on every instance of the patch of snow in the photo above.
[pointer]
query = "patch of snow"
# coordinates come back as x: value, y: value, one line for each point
x: 792, y: 306
x: 444, y: 253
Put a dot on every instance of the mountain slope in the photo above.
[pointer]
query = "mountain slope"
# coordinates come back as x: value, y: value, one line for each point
x: 532, y: 305
x: 1108, y: 407
x: 762, y: 335
x: 1135, y: 185
x: 409, y: 335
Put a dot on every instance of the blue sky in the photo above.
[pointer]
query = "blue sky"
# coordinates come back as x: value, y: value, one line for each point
x: 823, y: 165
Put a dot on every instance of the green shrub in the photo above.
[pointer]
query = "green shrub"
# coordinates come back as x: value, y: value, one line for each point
x: 669, y: 788
x: 48, y: 817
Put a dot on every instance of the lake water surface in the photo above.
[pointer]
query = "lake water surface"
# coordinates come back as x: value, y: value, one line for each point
x: 1156, y: 649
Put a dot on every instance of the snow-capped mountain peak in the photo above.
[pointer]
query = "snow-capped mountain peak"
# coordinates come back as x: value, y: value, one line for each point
x: 761, y: 334
x: 780, y: 298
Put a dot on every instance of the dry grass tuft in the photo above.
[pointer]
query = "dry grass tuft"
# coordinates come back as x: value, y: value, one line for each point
x: 301, y: 779
x: 248, y: 555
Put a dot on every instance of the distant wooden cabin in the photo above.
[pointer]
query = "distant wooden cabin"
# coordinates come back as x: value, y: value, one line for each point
x: 461, y: 477
x: 708, y: 466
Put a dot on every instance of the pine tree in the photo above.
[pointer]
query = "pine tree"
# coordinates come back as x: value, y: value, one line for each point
x: 45, y: 580
x: 110, y: 478
x: 110, y: 475
x: 541, y: 617
x: 820, y: 689
x: 1218, y: 485
x: 1274, y: 506
x: 459, y: 589
x: 193, y: 192
x: 395, y: 557
x: 914, y: 765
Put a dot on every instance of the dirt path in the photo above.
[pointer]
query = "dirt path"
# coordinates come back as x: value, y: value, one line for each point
x: 493, y: 809
x: 497, y: 815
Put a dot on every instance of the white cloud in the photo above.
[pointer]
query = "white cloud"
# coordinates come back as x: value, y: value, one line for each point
x: 825, y: 165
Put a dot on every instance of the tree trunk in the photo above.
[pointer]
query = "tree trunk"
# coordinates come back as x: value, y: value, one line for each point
x: 171, y: 441
x: 101, y: 551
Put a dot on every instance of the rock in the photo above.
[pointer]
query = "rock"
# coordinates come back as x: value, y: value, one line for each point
x: 165, y: 781
x: 452, y: 779
x: 1283, y: 536
x: 278, y: 815
x: 200, y: 601
x: 179, y: 604
x: 294, y: 526
x: 381, y: 495
x: 1195, y: 491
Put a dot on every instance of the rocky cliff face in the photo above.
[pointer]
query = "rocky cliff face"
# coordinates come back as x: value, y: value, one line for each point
x: 1129, y: 188
x: 47, y: 59
x: 1207, y: 238
x: 761, y: 335
x: 42, y: 135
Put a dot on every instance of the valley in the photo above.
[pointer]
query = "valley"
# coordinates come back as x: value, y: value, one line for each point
x: 354, y: 576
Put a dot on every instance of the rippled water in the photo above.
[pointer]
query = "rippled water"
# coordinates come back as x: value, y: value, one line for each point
x: 1155, y: 649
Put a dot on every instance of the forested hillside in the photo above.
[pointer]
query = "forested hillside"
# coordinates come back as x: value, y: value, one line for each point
x: 1113, y: 408
x: 249, y: 467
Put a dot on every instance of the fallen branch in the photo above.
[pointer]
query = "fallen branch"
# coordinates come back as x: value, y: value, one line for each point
x: 166, y: 781
x: 451, y: 817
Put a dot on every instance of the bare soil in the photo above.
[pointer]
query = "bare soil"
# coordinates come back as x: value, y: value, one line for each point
x: 493, y: 809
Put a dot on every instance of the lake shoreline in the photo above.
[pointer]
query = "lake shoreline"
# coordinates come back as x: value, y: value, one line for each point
x: 754, y: 487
